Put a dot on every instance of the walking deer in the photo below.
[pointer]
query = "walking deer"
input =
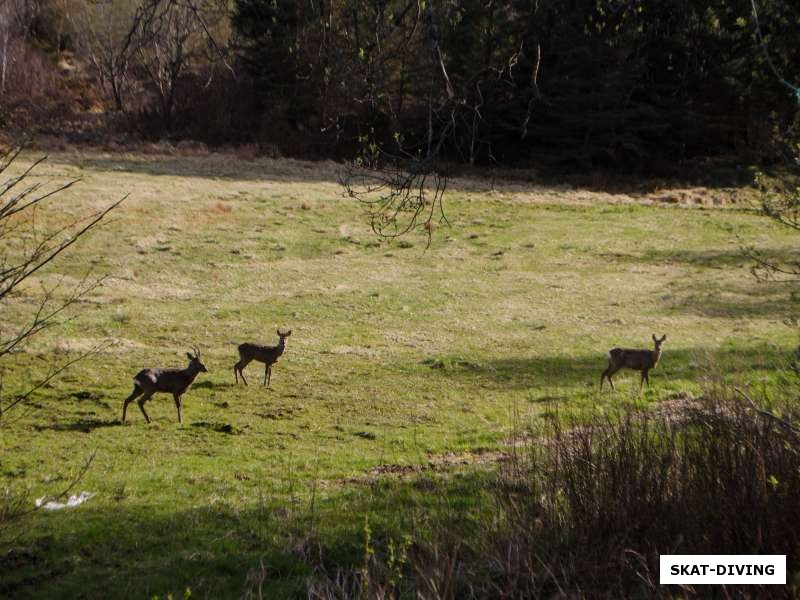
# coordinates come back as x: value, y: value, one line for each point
x: 268, y: 355
x: 638, y: 360
x: 173, y: 381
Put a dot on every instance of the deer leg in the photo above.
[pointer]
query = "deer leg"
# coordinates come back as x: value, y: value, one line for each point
x: 141, y: 402
x: 269, y: 375
x: 266, y: 372
x: 177, y: 399
x: 137, y: 391
x: 607, y: 375
x: 642, y: 380
x: 646, y: 377
x: 239, y: 366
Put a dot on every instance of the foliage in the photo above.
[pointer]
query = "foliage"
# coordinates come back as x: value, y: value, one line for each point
x: 591, y: 84
x: 780, y: 201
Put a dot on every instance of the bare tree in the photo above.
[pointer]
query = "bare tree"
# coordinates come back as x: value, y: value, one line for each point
x: 172, y: 44
x: 110, y: 33
x: 26, y: 248
x: 16, y: 19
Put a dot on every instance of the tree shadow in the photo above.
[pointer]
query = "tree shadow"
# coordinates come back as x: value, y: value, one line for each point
x: 208, y: 550
x: 269, y: 548
x: 548, y: 372
x: 129, y: 549
x: 217, y: 166
x: 743, y: 298
x: 738, y: 301
x: 462, y: 178
x: 708, y: 259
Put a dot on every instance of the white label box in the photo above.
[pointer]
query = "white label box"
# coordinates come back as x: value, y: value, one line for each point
x: 723, y: 568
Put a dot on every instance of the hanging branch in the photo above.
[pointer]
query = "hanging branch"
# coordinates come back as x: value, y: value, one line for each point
x: 404, y: 190
x: 399, y: 195
x: 781, y: 204
x: 795, y: 89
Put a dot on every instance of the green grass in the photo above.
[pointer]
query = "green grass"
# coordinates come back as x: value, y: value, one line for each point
x: 398, y: 354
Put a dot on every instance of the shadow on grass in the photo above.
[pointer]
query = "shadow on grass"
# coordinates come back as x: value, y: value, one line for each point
x: 218, y: 167
x: 746, y: 297
x: 213, y: 385
x: 543, y: 372
x: 737, y: 301
x: 230, y: 166
x: 276, y: 549
x: 130, y: 550
x: 218, y: 427
x: 82, y: 425
x: 147, y: 552
x: 708, y: 259
x: 715, y: 306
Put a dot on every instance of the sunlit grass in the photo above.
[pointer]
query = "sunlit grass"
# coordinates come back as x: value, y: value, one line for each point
x: 397, y: 354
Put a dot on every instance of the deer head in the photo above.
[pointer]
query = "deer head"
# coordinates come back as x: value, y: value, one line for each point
x: 658, y: 342
x: 195, y: 361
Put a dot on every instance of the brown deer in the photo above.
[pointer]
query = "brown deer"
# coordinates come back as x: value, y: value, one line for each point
x: 173, y: 381
x: 268, y: 355
x: 638, y: 360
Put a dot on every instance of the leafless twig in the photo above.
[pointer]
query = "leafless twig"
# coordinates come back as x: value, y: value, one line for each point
x: 791, y: 426
x: 26, y: 248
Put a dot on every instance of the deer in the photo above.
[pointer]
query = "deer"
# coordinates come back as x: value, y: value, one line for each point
x: 268, y: 355
x: 638, y: 360
x: 173, y: 381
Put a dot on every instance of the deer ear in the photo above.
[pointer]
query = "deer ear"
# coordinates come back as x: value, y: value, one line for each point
x: 288, y: 333
x: 189, y: 354
x: 663, y: 337
x: 655, y: 339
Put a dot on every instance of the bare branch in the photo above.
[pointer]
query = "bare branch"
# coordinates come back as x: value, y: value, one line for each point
x: 783, y: 422
x: 25, y: 250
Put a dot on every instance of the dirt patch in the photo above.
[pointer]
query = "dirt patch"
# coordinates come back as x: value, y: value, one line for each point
x: 154, y: 291
x: 104, y: 346
x: 437, y: 463
x: 678, y: 407
x: 701, y: 196
x: 354, y: 351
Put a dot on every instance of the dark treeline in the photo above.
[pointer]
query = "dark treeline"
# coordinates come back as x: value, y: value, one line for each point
x: 573, y: 83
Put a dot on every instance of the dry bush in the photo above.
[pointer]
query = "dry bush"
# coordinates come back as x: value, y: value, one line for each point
x: 588, y: 513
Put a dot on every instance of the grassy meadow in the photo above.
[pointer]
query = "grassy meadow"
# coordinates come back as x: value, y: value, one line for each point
x: 402, y: 360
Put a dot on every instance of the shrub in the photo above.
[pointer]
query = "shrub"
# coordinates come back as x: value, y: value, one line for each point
x: 586, y: 511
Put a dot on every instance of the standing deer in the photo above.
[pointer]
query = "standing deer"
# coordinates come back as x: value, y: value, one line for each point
x: 268, y: 355
x: 174, y: 381
x: 638, y: 360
